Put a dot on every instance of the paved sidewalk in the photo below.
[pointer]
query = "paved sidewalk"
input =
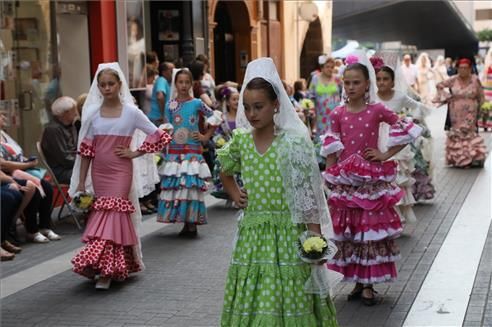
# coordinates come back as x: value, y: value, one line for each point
x: 184, y: 279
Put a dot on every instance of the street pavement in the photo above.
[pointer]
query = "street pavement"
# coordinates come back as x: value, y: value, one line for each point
x: 183, y: 282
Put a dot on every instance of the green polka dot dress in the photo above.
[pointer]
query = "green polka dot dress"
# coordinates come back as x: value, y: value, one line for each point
x: 265, y: 282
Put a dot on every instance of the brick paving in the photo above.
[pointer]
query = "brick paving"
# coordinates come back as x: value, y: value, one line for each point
x: 184, y: 279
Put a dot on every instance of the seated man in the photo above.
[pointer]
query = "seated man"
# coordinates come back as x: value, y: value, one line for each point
x: 59, y: 140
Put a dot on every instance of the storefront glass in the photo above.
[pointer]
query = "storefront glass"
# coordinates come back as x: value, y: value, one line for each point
x: 30, y: 70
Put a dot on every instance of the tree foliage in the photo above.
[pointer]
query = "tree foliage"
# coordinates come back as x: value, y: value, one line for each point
x: 485, y: 35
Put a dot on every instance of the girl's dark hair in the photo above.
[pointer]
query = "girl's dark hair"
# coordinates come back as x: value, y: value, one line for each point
x: 196, y: 68
x: 360, y: 67
x: 183, y: 72
x: 388, y: 70
x: 110, y: 71
x: 298, y: 85
x: 259, y: 83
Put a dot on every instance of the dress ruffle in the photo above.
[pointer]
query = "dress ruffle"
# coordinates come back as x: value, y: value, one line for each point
x: 355, y: 170
x: 106, y: 259
x: 367, y: 196
x: 403, y: 132
x: 360, y: 225
x: 265, y: 281
x: 155, y: 142
x: 110, y: 225
x: 114, y: 204
x: 182, y: 211
x: 464, y: 147
x: 356, y: 273
x: 330, y: 143
x: 86, y: 148
x: 366, y: 254
x: 191, y: 167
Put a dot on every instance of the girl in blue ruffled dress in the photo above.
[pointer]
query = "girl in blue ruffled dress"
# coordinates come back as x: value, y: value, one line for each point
x: 184, y: 170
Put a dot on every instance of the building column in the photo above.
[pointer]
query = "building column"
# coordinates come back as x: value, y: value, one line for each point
x: 102, y: 28
x: 187, y: 48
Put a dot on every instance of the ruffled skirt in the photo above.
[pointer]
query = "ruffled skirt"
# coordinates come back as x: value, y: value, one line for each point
x: 110, y: 241
x: 464, y: 147
x: 183, y: 187
x: 265, y: 282
x: 423, y: 188
x: 365, y: 223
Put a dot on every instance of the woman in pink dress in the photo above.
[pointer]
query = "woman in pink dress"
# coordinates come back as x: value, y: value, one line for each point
x: 464, y: 146
x: 362, y: 183
x: 108, y: 123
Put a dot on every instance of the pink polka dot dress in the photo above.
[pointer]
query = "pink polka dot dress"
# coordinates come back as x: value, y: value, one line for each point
x: 363, y: 193
x: 109, y: 234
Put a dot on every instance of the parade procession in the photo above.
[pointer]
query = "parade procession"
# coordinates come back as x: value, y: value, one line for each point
x: 246, y: 163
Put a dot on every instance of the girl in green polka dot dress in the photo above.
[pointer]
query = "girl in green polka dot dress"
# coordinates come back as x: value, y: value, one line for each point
x: 281, y: 198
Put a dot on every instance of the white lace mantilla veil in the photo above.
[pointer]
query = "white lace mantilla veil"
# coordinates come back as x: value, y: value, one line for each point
x: 91, y: 108
x: 301, y: 177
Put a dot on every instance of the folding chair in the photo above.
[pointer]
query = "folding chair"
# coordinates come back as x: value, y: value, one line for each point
x: 59, y: 187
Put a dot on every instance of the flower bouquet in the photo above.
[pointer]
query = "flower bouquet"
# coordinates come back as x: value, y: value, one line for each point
x: 486, y: 106
x: 316, y: 250
x: 219, y: 141
x: 82, y: 201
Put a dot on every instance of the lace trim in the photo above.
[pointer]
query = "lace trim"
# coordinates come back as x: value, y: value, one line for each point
x: 302, y: 181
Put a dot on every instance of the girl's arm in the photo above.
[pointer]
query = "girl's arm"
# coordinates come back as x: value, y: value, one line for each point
x: 84, y: 168
x: 315, y: 228
x: 238, y: 195
x: 331, y: 159
x: 376, y: 155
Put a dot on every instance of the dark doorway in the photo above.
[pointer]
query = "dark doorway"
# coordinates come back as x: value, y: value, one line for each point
x: 224, y: 46
x: 311, y: 48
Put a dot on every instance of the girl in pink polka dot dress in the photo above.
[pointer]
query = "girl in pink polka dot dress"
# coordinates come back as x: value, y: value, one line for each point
x: 361, y: 180
x: 104, y: 166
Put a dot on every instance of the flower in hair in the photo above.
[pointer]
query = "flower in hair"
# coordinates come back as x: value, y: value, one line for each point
x: 351, y: 59
x: 377, y: 62
x: 225, y: 91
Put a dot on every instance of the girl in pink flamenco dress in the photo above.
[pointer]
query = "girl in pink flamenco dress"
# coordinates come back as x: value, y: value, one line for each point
x: 363, y: 193
x: 105, y: 164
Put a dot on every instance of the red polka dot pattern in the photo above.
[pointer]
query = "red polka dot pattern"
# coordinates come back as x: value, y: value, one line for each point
x: 106, y: 259
x: 114, y: 204
x: 151, y: 147
x: 86, y: 150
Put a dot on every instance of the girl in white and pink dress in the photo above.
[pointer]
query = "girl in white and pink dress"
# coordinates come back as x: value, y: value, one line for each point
x: 363, y: 192
x: 108, y: 123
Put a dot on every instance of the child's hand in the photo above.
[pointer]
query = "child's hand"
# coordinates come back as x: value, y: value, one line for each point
x: 241, y: 199
x: 124, y: 152
x: 197, y: 136
x: 374, y: 155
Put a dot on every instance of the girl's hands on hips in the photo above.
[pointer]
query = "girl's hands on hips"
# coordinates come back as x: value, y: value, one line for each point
x: 197, y: 136
x: 374, y: 155
x: 124, y: 152
x: 241, y: 199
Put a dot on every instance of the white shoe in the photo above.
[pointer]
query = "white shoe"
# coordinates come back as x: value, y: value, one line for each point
x: 103, y: 284
x: 51, y: 235
x: 37, y: 238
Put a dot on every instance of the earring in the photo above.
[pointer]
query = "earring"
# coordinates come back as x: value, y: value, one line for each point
x: 276, y: 123
x: 367, y: 97
x: 345, y: 98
